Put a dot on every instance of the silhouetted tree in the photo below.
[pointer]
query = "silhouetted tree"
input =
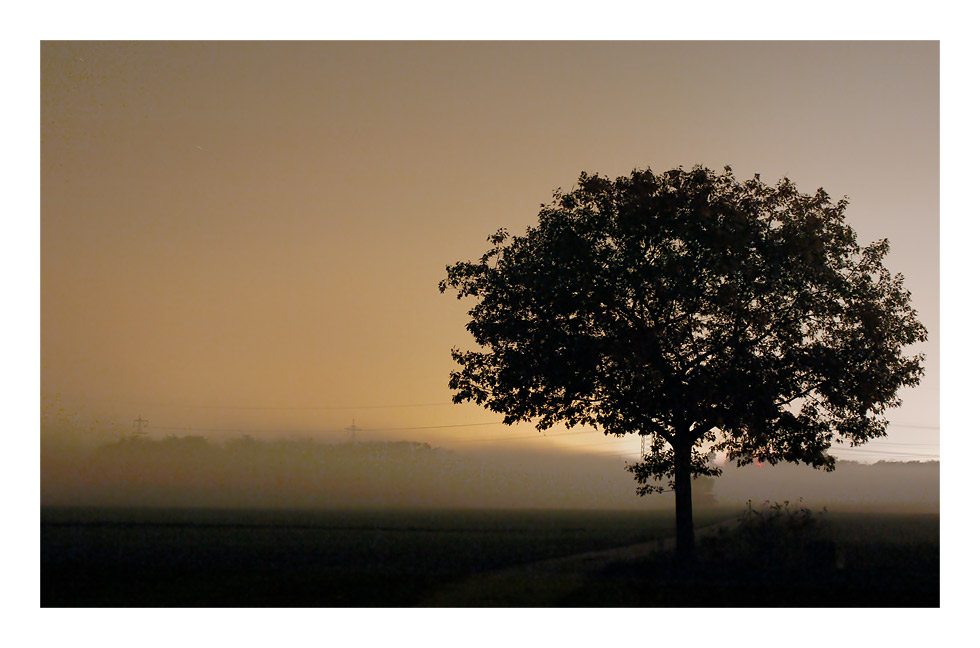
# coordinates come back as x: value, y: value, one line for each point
x: 706, y: 313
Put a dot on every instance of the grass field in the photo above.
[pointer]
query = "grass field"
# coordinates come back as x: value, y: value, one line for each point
x: 398, y: 558
x: 860, y: 560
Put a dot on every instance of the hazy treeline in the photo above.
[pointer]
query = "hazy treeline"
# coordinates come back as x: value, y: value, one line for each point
x: 911, y: 486
x: 191, y: 471
x: 247, y: 472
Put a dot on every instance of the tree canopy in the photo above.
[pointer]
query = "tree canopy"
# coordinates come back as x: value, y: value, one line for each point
x: 710, y: 314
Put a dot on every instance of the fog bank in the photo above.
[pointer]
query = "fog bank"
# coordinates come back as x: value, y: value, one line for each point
x: 192, y: 471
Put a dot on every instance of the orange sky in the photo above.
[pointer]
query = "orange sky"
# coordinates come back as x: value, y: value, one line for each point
x: 234, y: 226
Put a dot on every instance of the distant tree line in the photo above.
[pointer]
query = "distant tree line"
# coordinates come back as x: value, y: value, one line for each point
x: 193, y: 471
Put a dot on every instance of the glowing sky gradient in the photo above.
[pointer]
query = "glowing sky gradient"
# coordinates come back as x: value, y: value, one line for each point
x: 243, y: 235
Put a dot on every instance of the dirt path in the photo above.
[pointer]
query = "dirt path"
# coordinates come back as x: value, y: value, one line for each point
x: 544, y: 583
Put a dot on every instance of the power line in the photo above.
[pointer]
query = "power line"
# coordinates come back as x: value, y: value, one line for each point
x: 429, y: 427
x: 499, y: 438
x: 197, y: 429
x: 262, y: 407
x: 388, y: 406
x: 421, y: 427
x: 876, y: 442
x: 889, y: 453
x: 305, y: 408
x: 512, y: 438
x: 267, y: 431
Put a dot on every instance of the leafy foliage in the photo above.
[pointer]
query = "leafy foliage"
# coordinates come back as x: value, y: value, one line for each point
x: 710, y: 314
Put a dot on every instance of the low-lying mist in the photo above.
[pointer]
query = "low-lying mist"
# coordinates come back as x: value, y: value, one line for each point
x: 192, y: 471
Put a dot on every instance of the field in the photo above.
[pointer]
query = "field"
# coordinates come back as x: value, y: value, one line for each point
x: 399, y: 558
x: 860, y: 560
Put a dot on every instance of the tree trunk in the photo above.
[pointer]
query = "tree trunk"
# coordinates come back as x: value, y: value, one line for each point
x: 684, y: 507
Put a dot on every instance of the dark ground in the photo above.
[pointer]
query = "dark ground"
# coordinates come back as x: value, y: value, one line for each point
x: 870, y: 560
x: 202, y: 558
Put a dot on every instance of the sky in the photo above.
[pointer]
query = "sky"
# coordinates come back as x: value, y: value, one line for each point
x: 247, y: 237
x: 764, y: 19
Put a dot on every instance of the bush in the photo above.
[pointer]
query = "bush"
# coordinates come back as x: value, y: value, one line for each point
x: 776, y: 538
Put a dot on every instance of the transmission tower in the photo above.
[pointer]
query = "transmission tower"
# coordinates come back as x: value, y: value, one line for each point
x: 352, y: 432
x: 139, y: 426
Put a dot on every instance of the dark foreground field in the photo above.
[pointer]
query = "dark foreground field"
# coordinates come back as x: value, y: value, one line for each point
x: 859, y: 560
x: 179, y: 558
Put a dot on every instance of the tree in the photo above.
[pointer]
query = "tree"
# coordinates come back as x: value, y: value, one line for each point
x: 708, y: 314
